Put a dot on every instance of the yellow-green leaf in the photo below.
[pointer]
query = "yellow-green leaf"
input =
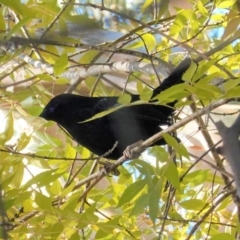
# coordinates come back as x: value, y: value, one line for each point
x: 171, y: 173
x: 222, y: 236
x: 61, y: 64
x: 43, y: 201
x: 189, y: 73
x: 154, y: 198
x: 124, y: 99
x: 140, y: 204
x: 193, y: 204
x: 146, y: 94
x: 132, y: 191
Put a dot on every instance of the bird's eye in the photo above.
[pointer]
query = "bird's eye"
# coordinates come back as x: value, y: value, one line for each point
x: 51, y: 109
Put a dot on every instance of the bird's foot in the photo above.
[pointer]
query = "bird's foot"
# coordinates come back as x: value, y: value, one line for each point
x: 133, y: 150
x: 110, y: 168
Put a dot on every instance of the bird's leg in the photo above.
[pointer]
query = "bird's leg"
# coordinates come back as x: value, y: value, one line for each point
x: 133, y: 150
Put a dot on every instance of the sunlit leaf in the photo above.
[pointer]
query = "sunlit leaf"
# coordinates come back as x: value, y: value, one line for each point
x: 140, y: 204
x: 170, y: 140
x: 193, y: 204
x: 145, y: 5
x: 160, y: 153
x: 149, y: 42
x: 43, y: 201
x: 171, y: 173
x: 163, y: 7
x: 18, y: 7
x: 62, y: 80
x: 146, y: 94
x: 61, y: 64
x: 18, y: 26
x: 124, y: 99
x: 154, y: 197
x: 189, y: 73
x: 88, y: 217
x: 132, y: 191
x: 222, y: 236
x: 109, y: 225
x: 19, y: 170
x: 23, y: 141
x: 8, y: 132
x: 225, y: 4
x: 57, y: 229
x: 196, y: 177
x: 43, y: 179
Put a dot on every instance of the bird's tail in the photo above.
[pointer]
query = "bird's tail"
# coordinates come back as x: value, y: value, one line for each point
x: 174, y: 78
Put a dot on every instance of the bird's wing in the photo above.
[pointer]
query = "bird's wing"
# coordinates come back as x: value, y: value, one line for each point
x: 100, y: 109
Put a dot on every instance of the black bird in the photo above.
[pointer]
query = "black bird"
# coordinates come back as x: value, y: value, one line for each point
x: 126, y: 125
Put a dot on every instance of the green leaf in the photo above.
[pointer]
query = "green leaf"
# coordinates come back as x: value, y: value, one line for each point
x: 154, y: 198
x: 18, y: 7
x: 61, y: 64
x: 71, y: 204
x: 2, y: 23
x: 132, y: 191
x: 8, y: 131
x: 23, y: 196
x: 110, y: 225
x: 19, y: 170
x: 193, y: 204
x: 225, y: 4
x: 233, y: 93
x: 43, y: 178
x: 171, y: 173
x: 9, y: 203
x: 17, y: 26
x: 70, y: 151
x: 5, y: 184
x: 145, y: 168
x: 179, y: 22
x: 140, y: 87
x: 146, y: 94
x: 231, y: 84
x: 163, y: 7
x: 23, y: 141
x: 62, y: 81
x: 104, y: 113
x: 196, y: 177
x: 202, y: 9
x: 182, y: 151
x: 160, y: 153
x: 145, y: 5
x: 52, y: 49
x: 75, y: 236
x: 172, y: 94
x: 188, y: 75
x: 103, y: 235
x: 57, y: 229
x: 140, y: 204
x: 42, y: 201
x: 88, y: 217
x: 124, y: 99
x: 222, y: 236
x: 170, y: 140
x: 149, y: 42
x: 88, y: 57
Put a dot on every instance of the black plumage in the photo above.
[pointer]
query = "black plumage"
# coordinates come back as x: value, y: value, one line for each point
x: 126, y: 125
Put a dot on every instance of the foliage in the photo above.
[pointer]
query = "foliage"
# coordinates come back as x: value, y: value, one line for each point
x: 167, y: 196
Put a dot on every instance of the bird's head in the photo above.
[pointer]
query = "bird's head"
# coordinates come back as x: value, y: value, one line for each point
x: 57, y: 109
